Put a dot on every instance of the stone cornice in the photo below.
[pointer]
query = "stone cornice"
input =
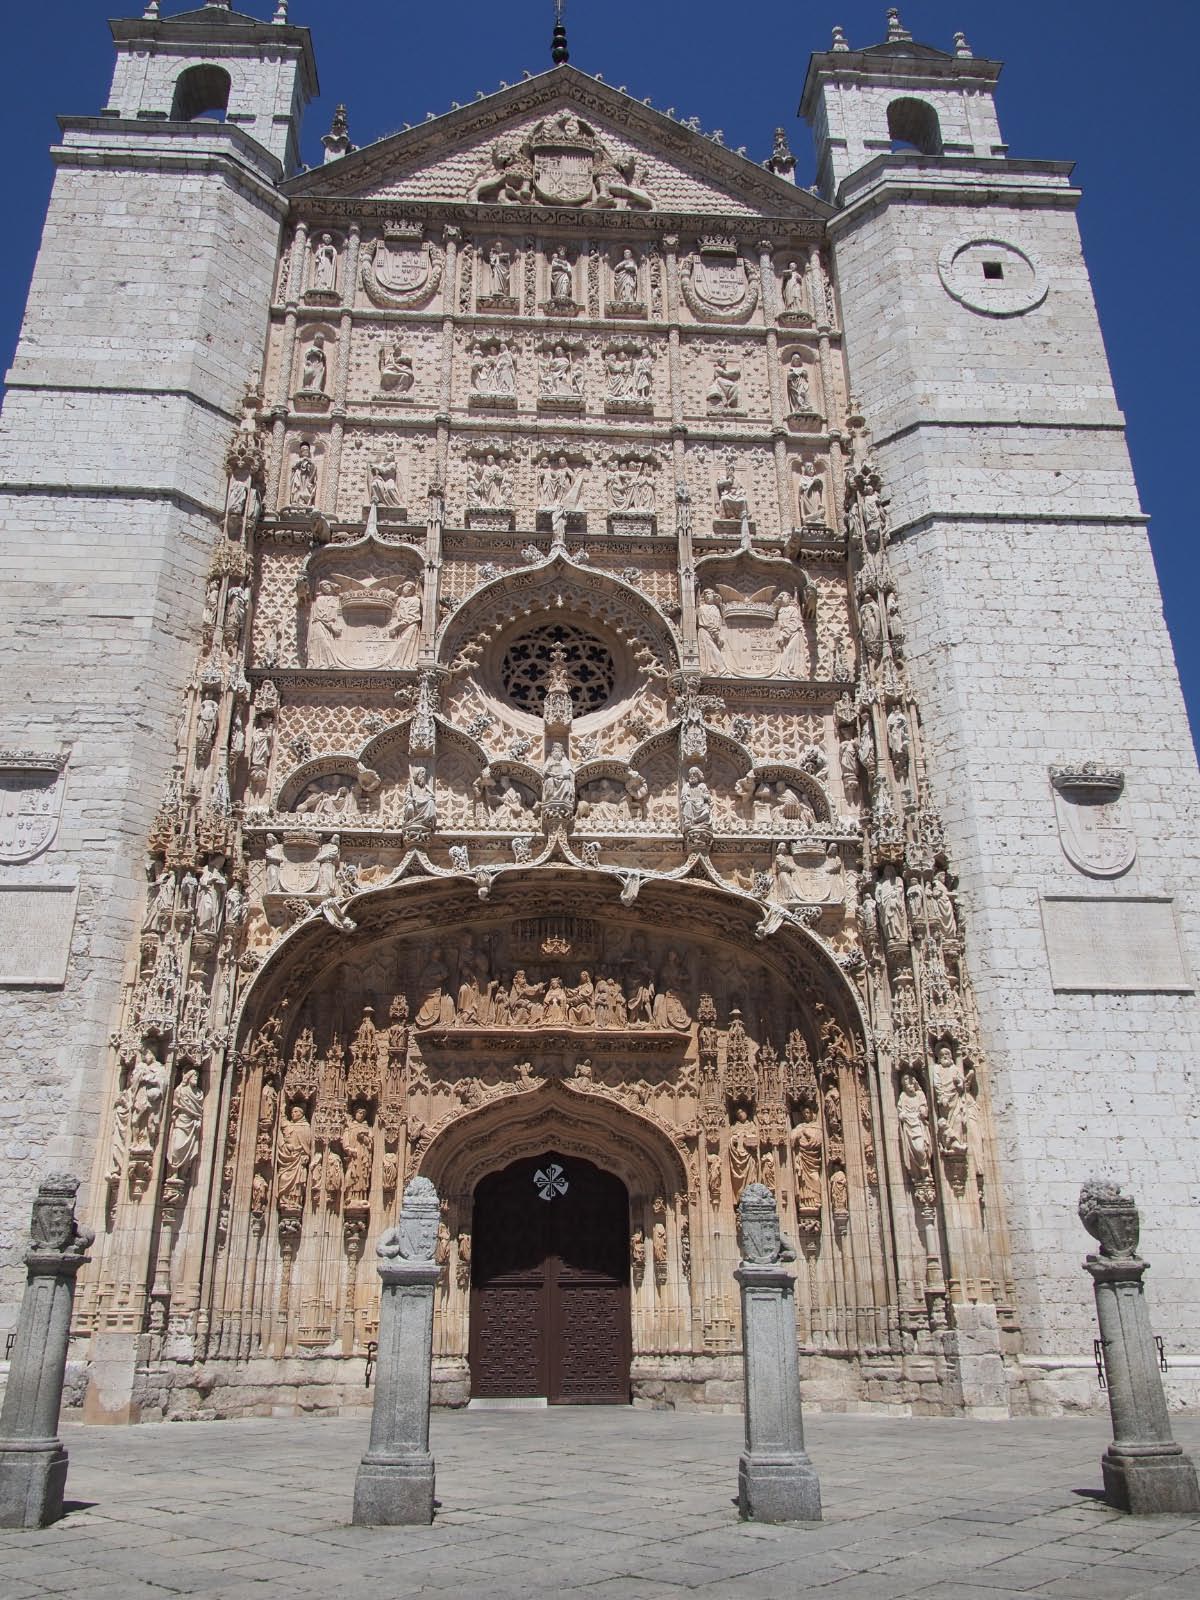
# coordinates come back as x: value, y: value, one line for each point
x: 954, y: 180
x: 129, y: 145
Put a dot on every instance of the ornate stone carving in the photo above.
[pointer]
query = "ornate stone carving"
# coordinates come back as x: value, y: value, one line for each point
x: 400, y: 270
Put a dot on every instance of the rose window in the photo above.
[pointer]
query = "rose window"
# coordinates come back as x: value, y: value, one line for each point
x: 566, y: 651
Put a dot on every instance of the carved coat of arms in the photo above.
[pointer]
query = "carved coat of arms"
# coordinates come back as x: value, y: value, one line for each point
x: 717, y: 284
x: 401, y: 269
x: 31, y: 793
x: 562, y: 162
x: 1093, y: 822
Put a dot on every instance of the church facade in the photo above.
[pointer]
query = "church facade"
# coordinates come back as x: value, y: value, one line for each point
x: 547, y: 657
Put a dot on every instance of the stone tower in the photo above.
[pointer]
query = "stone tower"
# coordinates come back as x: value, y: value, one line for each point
x: 551, y: 659
x: 1059, y: 748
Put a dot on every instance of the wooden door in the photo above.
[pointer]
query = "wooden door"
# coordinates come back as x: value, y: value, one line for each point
x: 550, y: 1283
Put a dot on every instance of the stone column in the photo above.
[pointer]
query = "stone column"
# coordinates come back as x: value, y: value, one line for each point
x: 395, y: 1477
x: 776, y: 1480
x: 33, y: 1463
x: 1144, y: 1469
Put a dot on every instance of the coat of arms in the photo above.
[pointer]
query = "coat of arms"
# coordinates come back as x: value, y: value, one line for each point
x: 31, y: 792
x: 401, y: 270
x: 716, y: 283
x: 1093, y: 825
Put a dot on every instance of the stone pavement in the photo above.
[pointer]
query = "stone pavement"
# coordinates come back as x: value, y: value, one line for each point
x: 600, y: 1502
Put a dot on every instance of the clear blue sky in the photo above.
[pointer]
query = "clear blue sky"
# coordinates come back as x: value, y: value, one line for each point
x: 1107, y: 84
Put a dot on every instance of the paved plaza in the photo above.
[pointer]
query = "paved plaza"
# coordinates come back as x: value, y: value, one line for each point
x: 601, y: 1502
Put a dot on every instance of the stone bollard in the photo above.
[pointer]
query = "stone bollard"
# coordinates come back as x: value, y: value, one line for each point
x: 33, y: 1463
x: 776, y: 1480
x: 1144, y: 1469
x: 395, y: 1477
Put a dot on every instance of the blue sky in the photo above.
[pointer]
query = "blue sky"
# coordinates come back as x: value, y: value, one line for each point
x: 1098, y: 81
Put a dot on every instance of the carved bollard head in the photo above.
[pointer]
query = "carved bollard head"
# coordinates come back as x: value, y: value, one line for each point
x: 1110, y: 1216
x: 414, y: 1238
x: 52, y: 1227
x: 758, y: 1228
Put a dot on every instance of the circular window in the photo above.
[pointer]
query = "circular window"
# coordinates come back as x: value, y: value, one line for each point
x: 992, y: 276
x: 565, y: 651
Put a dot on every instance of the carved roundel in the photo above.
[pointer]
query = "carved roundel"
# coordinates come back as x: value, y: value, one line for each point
x: 584, y: 661
x: 992, y: 276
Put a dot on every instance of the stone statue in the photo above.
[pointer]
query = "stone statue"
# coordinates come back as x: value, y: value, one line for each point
x: 328, y: 859
x: 743, y: 1152
x: 625, y: 280
x: 725, y: 392
x: 559, y: 484
x: 810, y: 488
x: 161, y: 907
x: 119, y: 1147
x: 695, y: 802
x: 147, y: 1091
x: 710, y: 625
x: 561, y: 378
x: 898, y: 740
x: 325, y: 263
x: 395, y: 368
x: 759, y: 1239
x: 416, y: 1235
x: 792, y: 288
x: 206, y: 728
x: 183, y: 1135
x: 500, y: 263
x: 788, y: 877
x: 292, y: 1156
x: 404, y: 628
x: 950, y: 1095
x: 210, y: 897
x: 732, y: 502
x: 912, y: 1114
x: 358, y: 1146
x: 807, y: 1156
x: 637, y: 792
x: 420, y: 804
x: 274, y: 857
x: 561, y: 276
x: 434, y: 1002
x: 558, y: 780
x: 315, y: 369
x: 892, y: 913
x: 383, y: 484
x: 712, y: 1163
x: 790, y: 636
x: 799, y: 396
x: 302, y: 491
x: 939, y: 903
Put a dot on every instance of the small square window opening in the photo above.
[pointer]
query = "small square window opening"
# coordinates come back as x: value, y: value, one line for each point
x: 993, y: 269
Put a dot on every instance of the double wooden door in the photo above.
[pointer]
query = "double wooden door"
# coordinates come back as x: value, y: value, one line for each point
x: 550, y: 1283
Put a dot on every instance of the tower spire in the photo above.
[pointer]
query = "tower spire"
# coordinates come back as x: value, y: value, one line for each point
x: 558, y: 39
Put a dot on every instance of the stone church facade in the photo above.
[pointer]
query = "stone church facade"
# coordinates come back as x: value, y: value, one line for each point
x: 542, y: 655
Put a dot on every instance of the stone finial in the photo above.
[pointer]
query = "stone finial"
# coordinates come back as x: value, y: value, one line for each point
x: 151, y: 12
x: 759, y: 1238
x: 52, y: 1227
x: 961, y: 48
x: 781, y: 160
x: 337, y: 140
x: 896, y: 31
x: 1111, y: 1217
x: 839, y: 40
x: 415, y: 1236
x: 281, y: 11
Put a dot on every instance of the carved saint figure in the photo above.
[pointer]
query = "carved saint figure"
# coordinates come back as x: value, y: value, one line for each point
x: 560, y: 377
x: 790, y: 636
x: 210, y: 897
x: 581, y: 1006
x: 325, y: 626
x: 302, y: 490
x: 315, y: 369
x: 871, y: 622
x: 743, y: 1152
x: 274, y: 858
x: 725, y: 392
x: 810, y: 490
x: 561, y: 287
x: 950, y: 1097
x: 806, y: 1160
x: 637, y: 792
x: 787, y: 874
x: 147, y: 1091
x: 183, y: 1135
x: 292, y: 1156
x: 670, y: 1007
x: 713, y: 1165
x: 206, y: 728
x: 912, y: 1112
x: 395, y: 368
x: 327, y: 860
x: 158, y: 912
x: 384, y: 484
x: 695, y: 802
x: 848, y: 766
x: 710, y: 624
x: 404, y: 627
x: 799, y: 396
x: 732, y: 502
x: 558, y: 779
x: 559, y: 484
x: 325, y: 263
x: 554, y: 1005
x: 434, y: 1000
x: 500, y: 262
x: 940, y: 907
x: 524, y: 1009
x: 792, y: 288
x: 119, y: 1149
x: 625, y: 280
x: 420, y: 805
x: 642, y: 375
x: 899, y: 747
x: 358, y: 1144
x: 892, y: 913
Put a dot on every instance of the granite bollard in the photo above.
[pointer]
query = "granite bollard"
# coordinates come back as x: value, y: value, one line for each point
x: 33, y: 1462
x: 1144, y: 1470
x: 776, y: 1480
x: 396, y: 1476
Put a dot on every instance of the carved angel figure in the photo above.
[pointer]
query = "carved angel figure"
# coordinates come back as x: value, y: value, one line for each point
x: 790, y: 636
x: 710, y: 624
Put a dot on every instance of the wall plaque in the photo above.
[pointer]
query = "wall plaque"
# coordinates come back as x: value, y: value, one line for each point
x: 37, y: 918
x: 1125, y: 945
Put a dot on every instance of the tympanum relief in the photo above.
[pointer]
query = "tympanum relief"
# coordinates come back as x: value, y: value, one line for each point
x: 549, y: 776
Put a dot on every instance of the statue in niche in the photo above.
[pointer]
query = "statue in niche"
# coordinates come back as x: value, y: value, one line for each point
x: 560, y: 486
x: 695, y: 802
x: 302, y: 490
x: 558, y: 780
x: 779, y: 803
x: 870, y: 622
x: 637, y: 1254
x: 798, y: 391
x: 642, y: 375
x: 237, y: 603
x: 620, y: 484
x: 710, y: 627
x: 358, y: 1144
x: 810, y: 493
x: 787, y: 873
x: 839, y: 1193
x: 625, y: 280
x: 183, y: 1134
x: 581, y: 1002
x: 474, y: 987
x: 950, y: 1097
x: 790, y: 636
x: 743, y: 1152
x: 119, y: 1148
x: 807, y: 1156
x: 561, y: 278
x: 712, y: 1163
x: 618, y: 375
x: 206, y: 728
x: 898, y: 741
x: 292, y: 1156
x: 893, y: 916
x: 404, y: 628
x: 315, y: 368
x: 273, y: 857
x: 325, y: 265
x: 487, y: 482
x: 147, y: 1092
x: 725, y: 391
x: 848, y: 766
x: 187, y: 890
x: 912, y: 1113
x: 500, y: 264
x: 162, y: 905
x: 524, y: 1000
x: 395, y: 368
x: 792, y: 288
x: 494, y: 370
x: 420, y: 805
x: 658, y: 1237
x: 210, y: 897
x: 639, y: 1001
x: 561, y: 377
x: 325, y: 626
x: 327, y: 860
x: 434, y: 1001
x: 768, y: 1170
x: 939, y: 903
x: 260, y: 753
x: 832, y: 1102
x: 733, y: 505
x: 384, y: 484
x: 670, y: 1007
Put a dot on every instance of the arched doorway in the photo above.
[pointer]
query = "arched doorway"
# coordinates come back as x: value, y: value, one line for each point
x: 550, y: 1309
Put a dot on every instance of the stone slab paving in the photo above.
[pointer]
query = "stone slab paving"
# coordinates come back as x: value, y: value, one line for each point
x: 600, y: 1502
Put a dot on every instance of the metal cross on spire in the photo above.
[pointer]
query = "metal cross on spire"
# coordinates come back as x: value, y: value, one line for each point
x: 558, y: 40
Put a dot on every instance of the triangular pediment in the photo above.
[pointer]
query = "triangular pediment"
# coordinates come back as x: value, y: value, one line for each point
x: 560, y: 139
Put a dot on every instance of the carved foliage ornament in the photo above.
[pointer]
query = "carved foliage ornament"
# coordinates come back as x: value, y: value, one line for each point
x: 400, y: 270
